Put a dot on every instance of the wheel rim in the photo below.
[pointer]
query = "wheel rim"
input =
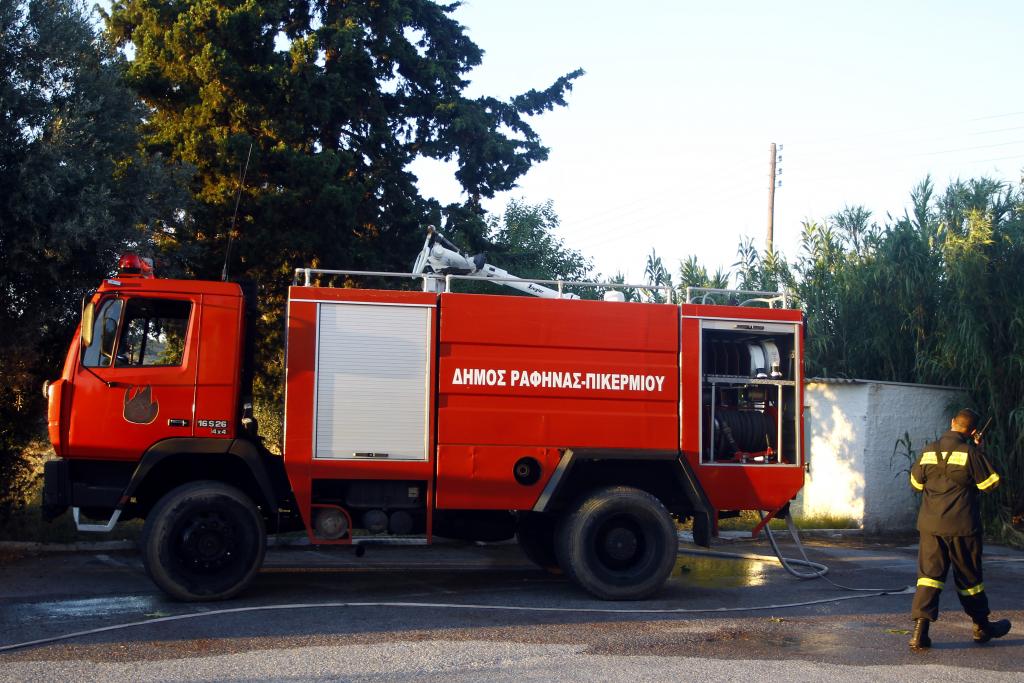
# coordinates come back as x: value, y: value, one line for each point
x: 621, y: 543
x: 208, y: 542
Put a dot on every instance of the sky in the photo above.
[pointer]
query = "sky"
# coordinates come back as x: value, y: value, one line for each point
x: 665, y: 143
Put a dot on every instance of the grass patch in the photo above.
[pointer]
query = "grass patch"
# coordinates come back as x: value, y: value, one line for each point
x: 23, y: 496
x: 26, y: 524
x: 748, y: 519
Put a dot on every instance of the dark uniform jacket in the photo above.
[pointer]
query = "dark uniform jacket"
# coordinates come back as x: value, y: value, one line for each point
x: 952, y: 472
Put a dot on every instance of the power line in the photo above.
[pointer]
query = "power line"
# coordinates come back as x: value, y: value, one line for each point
x: 609, y: 218
x: 724, y: 192
x: 811, y: 152
x: 646, y: 225
x: 997, y: 116
x: 653, y: 196
x: 967, y: 149
x: 584, y: 237
x: 653, y: 192
x: 630, y: 231
x: 863, y: 133
x: 868, y: 162
x: 985, y: 161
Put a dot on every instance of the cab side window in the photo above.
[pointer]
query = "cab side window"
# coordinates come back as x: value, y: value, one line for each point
x: 153, y: 333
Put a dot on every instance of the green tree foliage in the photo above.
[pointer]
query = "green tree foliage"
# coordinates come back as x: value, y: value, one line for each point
x: 857, y: 275
x: 656, y: 275
x: 693, y: 274
x: 74, y: 192
x: 767, y: 272
x: 978, y: 337
x: 523, y: 243
x: 334, y: 100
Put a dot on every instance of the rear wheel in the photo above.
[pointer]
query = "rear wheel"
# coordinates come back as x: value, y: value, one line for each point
x: 536, y: 536
x: 618, y: 543
x: 203, y: 541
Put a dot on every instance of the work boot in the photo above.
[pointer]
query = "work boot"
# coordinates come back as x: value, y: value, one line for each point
x: 920, y: 639
x: 985, y: 630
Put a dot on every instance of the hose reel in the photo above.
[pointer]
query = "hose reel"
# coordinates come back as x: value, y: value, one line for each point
x: 744, y: 431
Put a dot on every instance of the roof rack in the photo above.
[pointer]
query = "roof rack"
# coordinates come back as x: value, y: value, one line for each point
x: 306, y: 276
x: 559, y: 284
x: 308, y: 273
x: 733, y: 296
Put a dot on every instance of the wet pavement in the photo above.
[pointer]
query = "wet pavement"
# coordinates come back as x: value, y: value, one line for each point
x: 463, y: 612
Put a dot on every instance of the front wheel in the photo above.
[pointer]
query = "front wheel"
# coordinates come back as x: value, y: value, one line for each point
x: 618, y: 543
x: 203, y: 541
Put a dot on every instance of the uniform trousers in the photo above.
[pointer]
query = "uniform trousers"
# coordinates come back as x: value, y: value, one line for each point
x: 935, y: 555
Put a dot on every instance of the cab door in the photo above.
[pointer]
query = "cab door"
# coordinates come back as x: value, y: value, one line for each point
x: 135, y: 383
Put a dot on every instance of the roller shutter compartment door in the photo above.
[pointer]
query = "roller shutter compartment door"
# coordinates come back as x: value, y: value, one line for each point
x: 373, y: 364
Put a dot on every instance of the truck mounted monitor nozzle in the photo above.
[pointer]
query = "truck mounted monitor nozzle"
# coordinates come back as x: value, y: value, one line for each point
x: 442, y: 257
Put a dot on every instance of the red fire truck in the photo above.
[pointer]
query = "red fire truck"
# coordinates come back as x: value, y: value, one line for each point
x: 584, y: 428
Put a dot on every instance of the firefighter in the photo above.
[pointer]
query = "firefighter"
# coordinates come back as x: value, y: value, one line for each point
x: 951, y: 473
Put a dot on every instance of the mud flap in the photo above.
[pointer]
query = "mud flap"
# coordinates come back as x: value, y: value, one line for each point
x: 698, y: 503
x: 56, y: 489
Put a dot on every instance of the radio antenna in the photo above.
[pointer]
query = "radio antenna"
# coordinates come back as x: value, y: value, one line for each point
x: 234, y: 217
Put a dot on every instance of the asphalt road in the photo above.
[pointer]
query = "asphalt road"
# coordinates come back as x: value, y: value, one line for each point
x: 465, y: 613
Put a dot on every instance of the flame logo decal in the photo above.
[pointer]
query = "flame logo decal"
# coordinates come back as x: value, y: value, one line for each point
x: 139, y: 406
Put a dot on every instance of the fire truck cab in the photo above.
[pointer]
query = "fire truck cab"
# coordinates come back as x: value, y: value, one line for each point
x: 586, y: 429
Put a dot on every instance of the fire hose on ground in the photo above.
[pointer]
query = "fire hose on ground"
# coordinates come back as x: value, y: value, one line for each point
x: 818, y: 571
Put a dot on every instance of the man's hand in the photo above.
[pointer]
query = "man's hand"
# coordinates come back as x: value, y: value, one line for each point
x: 976, y: 435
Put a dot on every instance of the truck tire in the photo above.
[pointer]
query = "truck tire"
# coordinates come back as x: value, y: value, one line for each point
x: 203, y: 541
x: 618, y: 543
x: 535, y: 534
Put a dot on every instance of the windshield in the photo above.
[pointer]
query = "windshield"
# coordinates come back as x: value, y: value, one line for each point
x: 100, y: 353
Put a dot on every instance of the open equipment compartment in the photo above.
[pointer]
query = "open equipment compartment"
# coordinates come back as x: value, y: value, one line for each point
x: 749, y: 400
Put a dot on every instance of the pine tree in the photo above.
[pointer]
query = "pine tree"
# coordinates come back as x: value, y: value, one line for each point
x: 334, y: 100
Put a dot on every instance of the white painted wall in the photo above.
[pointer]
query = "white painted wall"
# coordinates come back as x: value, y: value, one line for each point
x: 857, y: 468
x: 834, y: 420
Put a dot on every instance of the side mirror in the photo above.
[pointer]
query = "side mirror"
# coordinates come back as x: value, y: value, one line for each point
x: 88, y: 322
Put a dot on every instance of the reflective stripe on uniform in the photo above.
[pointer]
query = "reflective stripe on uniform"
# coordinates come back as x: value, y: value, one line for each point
x: 929, y: 458
x: 916, y: 484
x: 973, y: 590
x: 957, y: 458
x: 991, y: 481
x: 930, y: 583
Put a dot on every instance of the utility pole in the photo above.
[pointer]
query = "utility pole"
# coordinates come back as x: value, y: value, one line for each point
x: 771, y: 201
